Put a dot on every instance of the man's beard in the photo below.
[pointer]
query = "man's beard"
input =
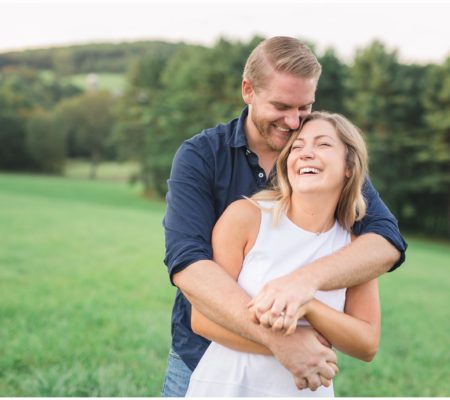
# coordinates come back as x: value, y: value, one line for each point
x: 264, y: 129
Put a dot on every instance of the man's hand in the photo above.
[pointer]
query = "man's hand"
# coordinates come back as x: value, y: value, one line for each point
x: 286, y: 295
x: 306, y: 355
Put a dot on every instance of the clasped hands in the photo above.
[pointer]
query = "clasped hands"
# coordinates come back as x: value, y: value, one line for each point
x: 281, y: 303
x: 279, y: 306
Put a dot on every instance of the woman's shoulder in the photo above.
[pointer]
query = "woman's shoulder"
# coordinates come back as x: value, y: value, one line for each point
x: 243, y: 210
x: 239, y: 223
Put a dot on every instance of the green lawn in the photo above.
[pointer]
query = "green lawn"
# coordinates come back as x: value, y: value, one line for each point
x: 85, y: 299
x: 86, y: 303
x: 414, y: 355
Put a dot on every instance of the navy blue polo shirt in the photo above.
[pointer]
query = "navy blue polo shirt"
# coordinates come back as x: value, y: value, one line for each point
x: 210, y: 171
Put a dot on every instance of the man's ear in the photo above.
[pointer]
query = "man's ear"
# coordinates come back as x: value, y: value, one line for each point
x: 247, y: 91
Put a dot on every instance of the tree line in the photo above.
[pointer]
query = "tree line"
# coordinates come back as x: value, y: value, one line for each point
x: 176, y: 90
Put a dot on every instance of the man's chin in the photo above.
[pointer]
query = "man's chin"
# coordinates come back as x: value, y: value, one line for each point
x: 278, y: 144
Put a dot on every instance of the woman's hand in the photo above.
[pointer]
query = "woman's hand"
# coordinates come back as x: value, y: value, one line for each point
x: 278, y: 323
x: 283, y: 301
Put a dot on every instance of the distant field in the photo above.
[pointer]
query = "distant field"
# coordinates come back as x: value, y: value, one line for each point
x: 112, y: 171
x: 86, y: 302
x: 116, y: 83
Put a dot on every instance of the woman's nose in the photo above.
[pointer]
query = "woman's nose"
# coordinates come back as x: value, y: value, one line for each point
x: 307, y: 152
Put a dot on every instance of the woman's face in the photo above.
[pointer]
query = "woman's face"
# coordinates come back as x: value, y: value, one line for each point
x: 316, y: 163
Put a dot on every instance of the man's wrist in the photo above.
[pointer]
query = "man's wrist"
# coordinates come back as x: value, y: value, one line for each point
x: 264, y: 336
x: 307, y: 276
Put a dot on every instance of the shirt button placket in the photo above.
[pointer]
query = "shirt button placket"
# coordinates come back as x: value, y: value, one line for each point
x: 261, y: 180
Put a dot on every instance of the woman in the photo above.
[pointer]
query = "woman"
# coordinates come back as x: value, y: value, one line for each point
x: 309, y: 214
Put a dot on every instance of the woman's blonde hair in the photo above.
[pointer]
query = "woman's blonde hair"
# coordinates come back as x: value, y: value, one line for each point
x: 351, y: 206
x: 280, y: 54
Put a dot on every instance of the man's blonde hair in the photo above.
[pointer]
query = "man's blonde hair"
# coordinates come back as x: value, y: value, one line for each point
x: 280, y: 54
x: 351, y: 206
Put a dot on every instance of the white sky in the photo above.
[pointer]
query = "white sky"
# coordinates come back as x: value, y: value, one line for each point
x: 419, y: 30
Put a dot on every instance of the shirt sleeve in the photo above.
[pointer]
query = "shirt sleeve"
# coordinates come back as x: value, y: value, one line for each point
x: 379, y: 220
x: 190, y: 213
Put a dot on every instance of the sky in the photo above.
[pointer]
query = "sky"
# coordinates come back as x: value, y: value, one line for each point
x: 420, y: 31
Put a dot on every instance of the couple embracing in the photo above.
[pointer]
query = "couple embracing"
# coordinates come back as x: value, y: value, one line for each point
x: 274, y: 237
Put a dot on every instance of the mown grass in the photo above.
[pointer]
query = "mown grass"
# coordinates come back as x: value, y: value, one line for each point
x: 414, y: 354
x: 85, y: 300
x: 86, y: 303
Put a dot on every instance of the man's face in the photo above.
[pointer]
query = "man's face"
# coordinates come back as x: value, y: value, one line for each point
x: 276, y: 110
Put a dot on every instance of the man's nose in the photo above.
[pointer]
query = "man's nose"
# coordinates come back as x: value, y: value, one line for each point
x: 292, y: 119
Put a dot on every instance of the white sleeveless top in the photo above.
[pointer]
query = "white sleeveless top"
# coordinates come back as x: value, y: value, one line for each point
x: 278, y: 250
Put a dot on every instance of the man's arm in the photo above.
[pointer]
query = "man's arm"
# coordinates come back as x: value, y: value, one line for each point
x: 377, y: 250
x: 210, y: 330
x: 190, y: 214
x: 189, y: 221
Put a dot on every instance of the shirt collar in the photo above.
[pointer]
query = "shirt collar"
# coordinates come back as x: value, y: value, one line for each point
x: 237, y: 137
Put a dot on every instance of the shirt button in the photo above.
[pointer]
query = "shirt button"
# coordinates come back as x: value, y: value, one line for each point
x: 261, y: 175
x: 248, y: 152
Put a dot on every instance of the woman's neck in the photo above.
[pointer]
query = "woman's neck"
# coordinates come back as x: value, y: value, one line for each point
x: 313, y: 212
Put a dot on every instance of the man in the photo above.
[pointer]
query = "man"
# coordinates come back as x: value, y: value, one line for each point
x: 222, y: 164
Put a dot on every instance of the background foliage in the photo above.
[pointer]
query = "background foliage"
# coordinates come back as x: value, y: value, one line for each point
x: 138, y: 101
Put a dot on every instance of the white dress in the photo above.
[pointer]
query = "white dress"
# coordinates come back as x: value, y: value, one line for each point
x: 278, y: 250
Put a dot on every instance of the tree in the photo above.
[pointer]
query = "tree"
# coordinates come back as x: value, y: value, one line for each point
x: 385, y: 104
x: 45, y: 144
x: 331, y: 90
x: 22, y: 90
x: 87, y: 122
x: 436, y: 155
x: 174, y: 96
x: 13, y: 151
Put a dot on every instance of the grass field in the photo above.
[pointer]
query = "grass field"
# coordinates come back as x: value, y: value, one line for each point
x: 85, y: 299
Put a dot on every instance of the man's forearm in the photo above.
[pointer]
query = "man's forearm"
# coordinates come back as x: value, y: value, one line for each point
x: 366, y: 258
x: 213, y: 292
x: 205, y: 327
